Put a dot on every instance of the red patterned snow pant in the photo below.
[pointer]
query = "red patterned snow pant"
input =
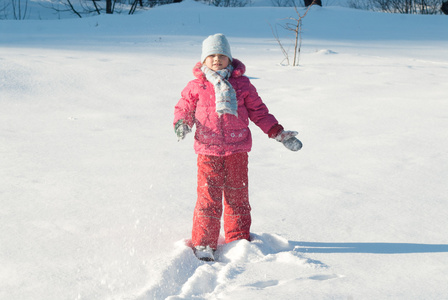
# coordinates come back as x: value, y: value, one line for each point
x: 217, y: 177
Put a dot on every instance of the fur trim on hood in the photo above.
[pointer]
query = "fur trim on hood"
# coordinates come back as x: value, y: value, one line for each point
x: 238, y: 69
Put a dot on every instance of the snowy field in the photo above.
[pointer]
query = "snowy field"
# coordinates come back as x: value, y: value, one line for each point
x: 97, y: 194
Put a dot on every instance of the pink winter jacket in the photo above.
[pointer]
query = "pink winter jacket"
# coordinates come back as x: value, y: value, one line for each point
x: 228, y: 134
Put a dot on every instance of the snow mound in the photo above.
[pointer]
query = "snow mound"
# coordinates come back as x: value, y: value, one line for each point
x: 325, y: 52
x: 269, y: 263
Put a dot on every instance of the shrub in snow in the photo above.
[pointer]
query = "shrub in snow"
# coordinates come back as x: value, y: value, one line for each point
x: 444, y: 7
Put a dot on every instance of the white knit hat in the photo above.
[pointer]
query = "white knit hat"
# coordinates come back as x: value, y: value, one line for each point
x: 215, y: 44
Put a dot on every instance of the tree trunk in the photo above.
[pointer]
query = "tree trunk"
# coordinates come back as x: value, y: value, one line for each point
x: 109, y: 7
x: 309, y: 2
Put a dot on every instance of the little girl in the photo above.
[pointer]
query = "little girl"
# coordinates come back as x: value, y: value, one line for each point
x: 220, y: 101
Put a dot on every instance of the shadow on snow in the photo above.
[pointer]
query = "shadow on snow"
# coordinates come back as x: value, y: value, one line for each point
x: 373, y: 248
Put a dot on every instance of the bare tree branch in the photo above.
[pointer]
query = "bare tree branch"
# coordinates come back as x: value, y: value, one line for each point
x: 285, y: 53
x: 297, y: 29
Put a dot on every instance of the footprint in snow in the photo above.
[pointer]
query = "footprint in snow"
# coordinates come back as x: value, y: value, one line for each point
x: 268, y: 265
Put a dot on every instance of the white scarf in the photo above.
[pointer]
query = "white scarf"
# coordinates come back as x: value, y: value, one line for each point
x: 225, y: 94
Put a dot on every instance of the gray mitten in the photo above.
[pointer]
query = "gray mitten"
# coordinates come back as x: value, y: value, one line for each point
x: 288, y: 139
x: 181, y: 130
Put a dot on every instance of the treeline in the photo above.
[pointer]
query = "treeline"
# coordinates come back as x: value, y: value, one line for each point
x: 425, y: 7
x: 18, y: 9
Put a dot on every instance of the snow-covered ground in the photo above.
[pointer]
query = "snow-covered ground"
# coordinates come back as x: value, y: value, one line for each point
x: 97, y: 194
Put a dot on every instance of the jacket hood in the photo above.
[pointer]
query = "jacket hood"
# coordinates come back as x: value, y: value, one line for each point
x: 238, y: 69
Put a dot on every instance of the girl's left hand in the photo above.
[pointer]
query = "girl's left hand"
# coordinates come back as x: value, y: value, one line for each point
x: 289, y: 140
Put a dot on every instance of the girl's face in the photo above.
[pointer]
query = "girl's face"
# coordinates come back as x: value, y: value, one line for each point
x: 216, y: 62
